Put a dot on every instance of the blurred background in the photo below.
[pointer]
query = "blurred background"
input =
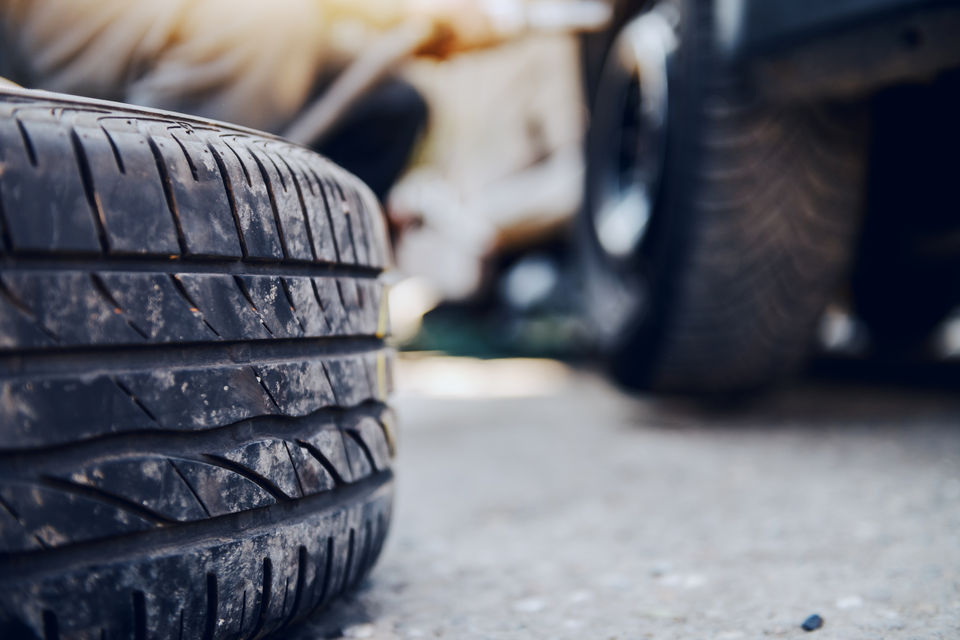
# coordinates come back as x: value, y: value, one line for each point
x: 701, y: 196
x: 677, y: 281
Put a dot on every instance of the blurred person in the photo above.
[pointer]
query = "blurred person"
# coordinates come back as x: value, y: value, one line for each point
x: 245, y: 62
x: 503, y: 166
x: 250, y: 63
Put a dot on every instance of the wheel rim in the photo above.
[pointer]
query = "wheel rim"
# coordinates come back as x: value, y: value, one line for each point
x: 630, y: 134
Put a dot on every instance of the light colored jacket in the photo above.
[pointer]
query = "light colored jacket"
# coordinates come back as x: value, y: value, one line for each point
x: 250, y: 62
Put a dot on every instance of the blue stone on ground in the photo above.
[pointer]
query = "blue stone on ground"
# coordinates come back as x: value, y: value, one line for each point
x: 812, y: 623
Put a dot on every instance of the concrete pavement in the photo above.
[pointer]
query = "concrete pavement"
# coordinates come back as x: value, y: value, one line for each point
x: 538, y: 502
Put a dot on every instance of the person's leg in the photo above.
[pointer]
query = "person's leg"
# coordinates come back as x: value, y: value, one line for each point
x: 375, y: 141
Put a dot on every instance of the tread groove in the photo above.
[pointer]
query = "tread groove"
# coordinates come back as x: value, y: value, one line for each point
x: 27, y: 142
x: 102, y: 289
x: 231, y: 197
x: 136, y: 400
x: 89, y: 190
x: 303, y: 209
x: 348, y: 217
x: 286, y: 592
x: 192, y: 264
x: 302, y: 559
x: 276, y: 167
x: 348, y: 567
x: 186, y: 155
x: 267, y: 572
x: 210, y: 625
x: 366, y: 232
x: 285, y: 286
x: 266, y: 389
x: 293, y: 464
x: 16, y: 516
x: 243, y: 165
x: 350, y: 232
x: 327, y: 573
x: 328, y: 467
x: 249, y: 474
x: 326, y: 374
x: 51, y: 627
x: 100, y: 495
x: 139, y: 615
x: 115, y: 149
x: 190, y: 488
x: 368, y: 543
x: 146, y: 356
x: 246, y: 294
x: 27, y: 311
x: 243, y: 614
x: 21, y: 462
x: 273, y: 202
x: 353, y: 435
x: 168, y: 192
x: 382, y: 537
x: 191, y: 303
x: 323, y: 312
x: 328, y: 211
x: 5, y: 238
x: 343, y: 305
x: 13, y: 512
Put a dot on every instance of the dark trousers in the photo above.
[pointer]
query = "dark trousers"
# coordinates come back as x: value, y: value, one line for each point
x: 376, y: 140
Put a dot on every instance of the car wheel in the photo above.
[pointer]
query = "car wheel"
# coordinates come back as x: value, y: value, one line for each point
x: 718, y: 223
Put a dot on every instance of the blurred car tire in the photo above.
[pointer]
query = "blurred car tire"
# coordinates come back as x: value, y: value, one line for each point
x: 193, y: 436
x: 748, y: 210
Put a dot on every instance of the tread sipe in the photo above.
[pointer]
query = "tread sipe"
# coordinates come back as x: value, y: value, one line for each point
x: 194, y: 440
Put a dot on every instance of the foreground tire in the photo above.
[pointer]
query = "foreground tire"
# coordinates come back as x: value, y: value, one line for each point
x: 719, y: 224
x: 193, y: 436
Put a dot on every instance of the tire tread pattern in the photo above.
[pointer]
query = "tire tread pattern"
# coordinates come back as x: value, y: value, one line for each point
x: 192, y: 375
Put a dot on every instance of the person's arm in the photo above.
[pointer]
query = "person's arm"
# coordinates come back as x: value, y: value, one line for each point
x: 89, y: 47
x: 459, y: 25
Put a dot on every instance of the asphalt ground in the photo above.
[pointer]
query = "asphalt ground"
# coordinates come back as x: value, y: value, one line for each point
x: 535, y: 501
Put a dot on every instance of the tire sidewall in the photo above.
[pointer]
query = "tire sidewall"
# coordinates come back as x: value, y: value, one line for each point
x: 634, y: 348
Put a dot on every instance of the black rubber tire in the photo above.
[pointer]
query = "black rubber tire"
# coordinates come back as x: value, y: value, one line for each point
x: 750, y: 236
x: 193, y: 436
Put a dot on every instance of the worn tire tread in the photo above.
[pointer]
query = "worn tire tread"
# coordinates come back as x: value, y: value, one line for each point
x: 194, y: 441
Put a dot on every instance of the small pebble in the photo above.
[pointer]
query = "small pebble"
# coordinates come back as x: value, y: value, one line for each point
x: 812, y: 623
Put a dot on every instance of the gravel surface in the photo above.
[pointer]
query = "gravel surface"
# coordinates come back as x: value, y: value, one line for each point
x: 535, y: 502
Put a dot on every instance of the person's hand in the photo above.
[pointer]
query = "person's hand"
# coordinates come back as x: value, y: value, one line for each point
x: 462, y: 25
